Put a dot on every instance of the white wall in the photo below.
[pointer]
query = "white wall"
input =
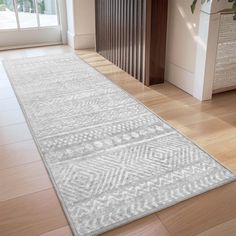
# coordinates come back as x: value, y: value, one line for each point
x: 81, y: 23
x: 182, y: 31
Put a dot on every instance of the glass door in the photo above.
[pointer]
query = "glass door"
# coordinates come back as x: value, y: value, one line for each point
x: 29, y: 22
x: 7, y: 15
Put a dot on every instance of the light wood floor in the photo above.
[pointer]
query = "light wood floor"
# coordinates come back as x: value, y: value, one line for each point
x: 29, y: 205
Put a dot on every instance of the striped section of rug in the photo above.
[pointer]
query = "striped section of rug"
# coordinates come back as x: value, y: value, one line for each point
x: 111, y: 160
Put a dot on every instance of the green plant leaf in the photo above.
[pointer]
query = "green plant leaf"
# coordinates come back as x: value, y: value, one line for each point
x: 193, y: 6
x: 194, y: 3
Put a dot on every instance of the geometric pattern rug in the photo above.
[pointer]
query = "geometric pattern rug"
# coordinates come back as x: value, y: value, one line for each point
x: 111, y: 160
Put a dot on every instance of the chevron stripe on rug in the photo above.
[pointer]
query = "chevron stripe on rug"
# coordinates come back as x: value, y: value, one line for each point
x: 111, y: 160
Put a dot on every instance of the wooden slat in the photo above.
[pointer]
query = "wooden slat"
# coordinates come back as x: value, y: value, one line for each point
x: 139, y: 41
x: 131, y: 37
x: 147, y: 41
x: 109, y: 28
x: 131, y: 34
x: 135, y: 39
x: 144, y: 41
x: 105, y: 27
x: 124, y: 34
x: 115, y: 59
x: 127, y: 37
x: 120, y: 33
x: 158, y: 41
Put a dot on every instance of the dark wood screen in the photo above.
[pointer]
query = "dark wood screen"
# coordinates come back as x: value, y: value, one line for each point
x: 125, y: 35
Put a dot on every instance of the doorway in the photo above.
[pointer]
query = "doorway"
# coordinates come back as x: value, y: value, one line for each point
x: 29, y: 23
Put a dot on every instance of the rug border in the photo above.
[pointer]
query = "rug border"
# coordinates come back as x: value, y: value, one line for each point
x: 55, y: 187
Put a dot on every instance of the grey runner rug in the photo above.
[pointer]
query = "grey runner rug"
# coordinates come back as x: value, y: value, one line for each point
x: 111, y: 159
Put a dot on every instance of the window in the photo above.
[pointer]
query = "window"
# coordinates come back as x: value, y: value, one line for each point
x: 25, y: 14
x: 7, y: 15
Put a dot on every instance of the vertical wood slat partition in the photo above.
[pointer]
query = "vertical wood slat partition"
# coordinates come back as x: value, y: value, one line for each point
x: 132, y: 34
x: 120, y: 26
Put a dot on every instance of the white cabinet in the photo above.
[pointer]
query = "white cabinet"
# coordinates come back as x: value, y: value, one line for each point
x: 201, y: 48
x: 225, y: 64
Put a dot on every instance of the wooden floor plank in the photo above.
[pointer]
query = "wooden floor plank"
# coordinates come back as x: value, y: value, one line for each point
x: 224, y: 150
x: 11, y: 117
x: 14, y: 133
x: 8, y: 104
x: 148, y: 226
x: 201, y: 213
x: 6, y: 93
x: 17, y: 154
x: 31, y: 215
x: 22, y: 180
x: 64, y: 231
x: 210, y: 131
x: 226, y: 229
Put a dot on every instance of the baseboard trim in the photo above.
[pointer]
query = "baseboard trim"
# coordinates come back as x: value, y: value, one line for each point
x: 30, y: 46
x: 81, y: 41
x: 225, y: 89
x: 179, y: 77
